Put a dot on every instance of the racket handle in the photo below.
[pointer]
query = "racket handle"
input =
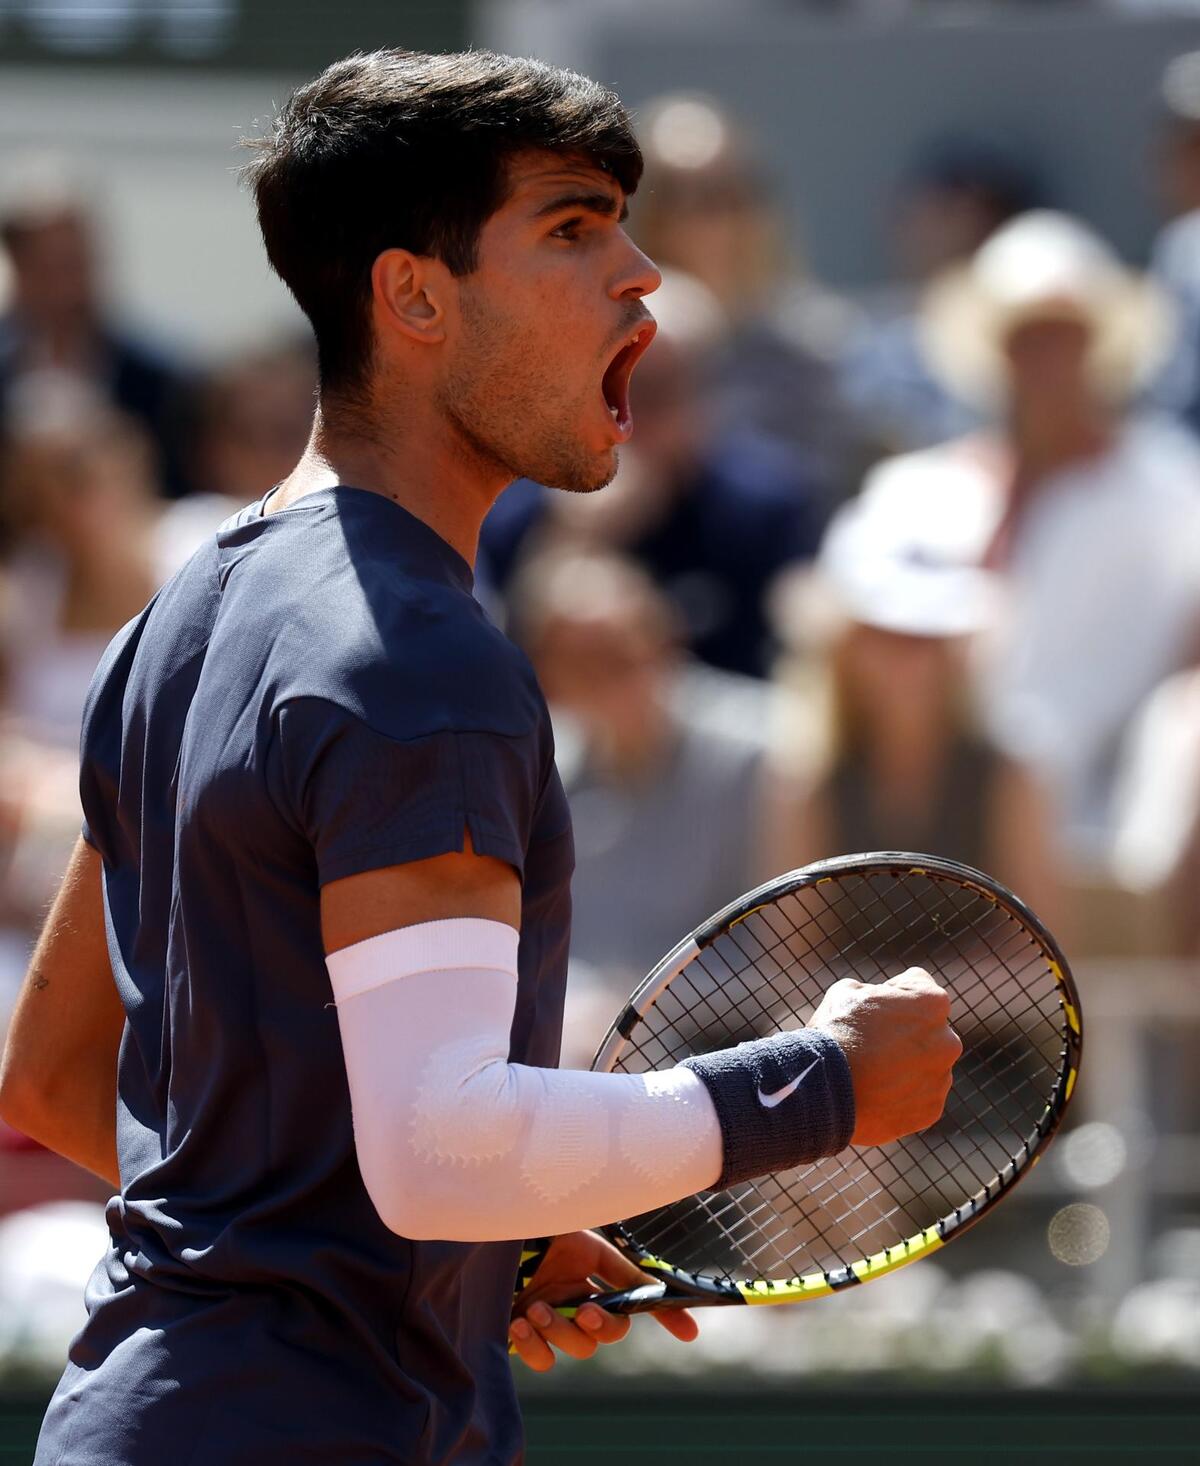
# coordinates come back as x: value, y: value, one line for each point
x: 629, y: 1300
x: 533, y: 1254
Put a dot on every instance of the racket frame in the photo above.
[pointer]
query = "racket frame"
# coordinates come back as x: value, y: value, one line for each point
x: 678, y: 1288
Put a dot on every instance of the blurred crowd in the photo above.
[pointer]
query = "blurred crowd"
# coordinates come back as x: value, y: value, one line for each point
x: 914, y: 570
x: 918, y: 569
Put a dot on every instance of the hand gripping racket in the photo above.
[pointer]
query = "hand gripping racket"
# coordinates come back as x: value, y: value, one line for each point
x: 761, y: 966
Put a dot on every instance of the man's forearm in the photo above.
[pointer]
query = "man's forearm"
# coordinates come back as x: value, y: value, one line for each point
x: 456, y: 1142
x: 58, y: 1074
x: 75, y: 1119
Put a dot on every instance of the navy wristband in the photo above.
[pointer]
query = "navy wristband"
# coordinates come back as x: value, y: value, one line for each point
x: 781, y: 1102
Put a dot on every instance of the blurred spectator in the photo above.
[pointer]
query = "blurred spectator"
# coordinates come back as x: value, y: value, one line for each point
x: 1091, y: 513
x: 706, y: 208
x: 884, y: 749
x: 90, y: 542
x: 713, y: 515
x: 253, y: 420
x: 962, y: 189
x: 666, y: 801
x: 1176, y: 259
x: 79, y: 502
x: 56, y: 319
x: 1156, y: 849
x: 79, y: 498
x: 1183, y: 881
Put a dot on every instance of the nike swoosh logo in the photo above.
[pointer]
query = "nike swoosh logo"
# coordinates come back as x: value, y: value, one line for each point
x: 769, y: 1101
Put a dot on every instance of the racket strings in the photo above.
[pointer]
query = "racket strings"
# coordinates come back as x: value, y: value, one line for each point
x: 768, y: 972
x: 980, y: 929
x: 988, y: 926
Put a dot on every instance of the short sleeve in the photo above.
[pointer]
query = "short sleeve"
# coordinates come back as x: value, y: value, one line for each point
x: 363, y: 799
x: 102, y: 741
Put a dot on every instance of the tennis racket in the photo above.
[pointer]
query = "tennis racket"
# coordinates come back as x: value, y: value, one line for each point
x: 761, y: 966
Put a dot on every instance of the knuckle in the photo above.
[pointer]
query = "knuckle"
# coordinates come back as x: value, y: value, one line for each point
x: 911, y: 978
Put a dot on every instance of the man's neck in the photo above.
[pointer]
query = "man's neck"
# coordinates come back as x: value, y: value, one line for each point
x: 423, y: 466
x: 70, y: 342
x: 1046, y: 442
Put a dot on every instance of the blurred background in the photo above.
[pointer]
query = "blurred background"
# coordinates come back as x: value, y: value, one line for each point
x: 905, y: 554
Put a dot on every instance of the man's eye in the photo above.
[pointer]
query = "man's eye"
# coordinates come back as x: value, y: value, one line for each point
x: 568, y: 230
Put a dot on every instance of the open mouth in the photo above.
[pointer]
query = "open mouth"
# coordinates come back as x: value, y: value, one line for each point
x: 615, y: 382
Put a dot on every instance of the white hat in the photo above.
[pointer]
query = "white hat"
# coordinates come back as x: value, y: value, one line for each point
x: 885, y: 571
x: 904, y: 556
x: 1043, y: 265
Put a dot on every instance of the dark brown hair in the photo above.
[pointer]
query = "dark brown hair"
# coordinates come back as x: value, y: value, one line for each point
x: 397, y: 149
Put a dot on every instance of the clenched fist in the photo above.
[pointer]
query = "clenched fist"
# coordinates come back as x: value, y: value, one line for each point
x: 897, y: 1039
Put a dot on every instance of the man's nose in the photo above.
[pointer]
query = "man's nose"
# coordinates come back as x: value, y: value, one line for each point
x: 638, y: 276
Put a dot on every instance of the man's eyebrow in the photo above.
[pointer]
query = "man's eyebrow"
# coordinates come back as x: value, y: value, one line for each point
x: 598, y: 202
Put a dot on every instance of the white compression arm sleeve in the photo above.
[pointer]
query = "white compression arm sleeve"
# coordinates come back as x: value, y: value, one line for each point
x: 456, y: 1143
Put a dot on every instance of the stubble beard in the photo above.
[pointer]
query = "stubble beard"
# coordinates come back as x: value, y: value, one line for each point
x: 499, y: 404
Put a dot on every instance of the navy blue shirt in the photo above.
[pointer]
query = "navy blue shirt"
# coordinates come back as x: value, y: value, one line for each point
x: 316, y: 694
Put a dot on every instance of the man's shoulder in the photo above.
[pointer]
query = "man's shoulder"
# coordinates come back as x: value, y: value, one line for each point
x: 320, y: 607
x: 407, y: 657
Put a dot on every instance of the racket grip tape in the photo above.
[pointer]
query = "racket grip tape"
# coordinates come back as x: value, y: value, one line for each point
x: 642, y: 1299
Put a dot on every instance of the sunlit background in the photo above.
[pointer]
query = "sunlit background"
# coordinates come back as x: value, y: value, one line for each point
x: 905, y: 554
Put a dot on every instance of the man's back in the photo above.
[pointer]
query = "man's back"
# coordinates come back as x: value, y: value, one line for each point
x: 315, y: 695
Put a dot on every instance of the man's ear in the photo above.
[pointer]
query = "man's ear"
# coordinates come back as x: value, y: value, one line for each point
x: 410, y: 294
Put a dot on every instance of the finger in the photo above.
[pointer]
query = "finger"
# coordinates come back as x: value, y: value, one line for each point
x: 915, y: 979
x: 934, y: 1000
x: 531, y: 1348
x: 677, y: 1321
x: 562, y: 1332
x: 614, y: 1268
x: 602, y: 1326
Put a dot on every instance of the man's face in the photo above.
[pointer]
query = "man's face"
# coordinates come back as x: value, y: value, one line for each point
x: 939, y: 225
x: 54, y: 269
x: 1047, y: 360
x: 550, y: 325
x: 1179, y: 168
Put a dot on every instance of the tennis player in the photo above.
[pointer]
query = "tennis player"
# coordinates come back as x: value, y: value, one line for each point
x: 299, y: 999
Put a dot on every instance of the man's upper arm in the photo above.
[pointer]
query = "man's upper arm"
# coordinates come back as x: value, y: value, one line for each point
x: 408, y: 825
x: 441, y: 888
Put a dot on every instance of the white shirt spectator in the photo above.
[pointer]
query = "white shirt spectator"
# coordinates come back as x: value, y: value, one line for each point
x: 1101, y: 597
x: 1158, y: 793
